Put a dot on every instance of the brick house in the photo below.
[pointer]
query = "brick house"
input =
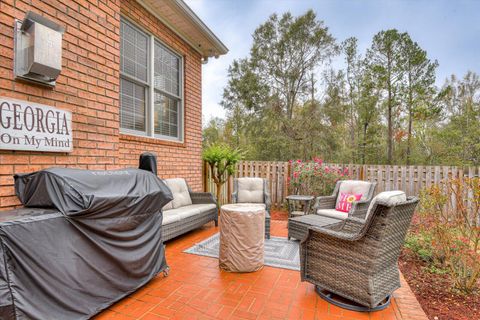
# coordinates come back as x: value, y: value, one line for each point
x: 131, y: 78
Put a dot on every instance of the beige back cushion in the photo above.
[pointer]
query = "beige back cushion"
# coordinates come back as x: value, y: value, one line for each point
x: 250, y: 190
x: 390, y: 198
x: 181, y: 196
x: 354, y: 187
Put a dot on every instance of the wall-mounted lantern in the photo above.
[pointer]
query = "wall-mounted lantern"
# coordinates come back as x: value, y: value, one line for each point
x: 38, y: 49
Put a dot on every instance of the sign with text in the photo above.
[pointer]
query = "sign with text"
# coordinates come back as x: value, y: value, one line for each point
x: 31, y: 126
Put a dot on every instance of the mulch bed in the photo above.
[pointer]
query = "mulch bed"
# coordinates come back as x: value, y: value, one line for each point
x: 434, y: 293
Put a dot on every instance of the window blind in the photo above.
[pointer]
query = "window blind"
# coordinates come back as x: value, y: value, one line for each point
x: 167, y: 91
x: 132, y: 100
x: 136, y: 86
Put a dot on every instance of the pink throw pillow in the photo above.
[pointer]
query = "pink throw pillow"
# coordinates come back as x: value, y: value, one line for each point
x: 345, y: 201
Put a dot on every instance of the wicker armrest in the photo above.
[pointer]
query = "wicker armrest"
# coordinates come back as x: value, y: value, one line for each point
x: 202, y: 197
x: 235, y: 197
x: 268, y: 201
x: 359, y: 209
x: 325, y: 202
x: 353, y: 225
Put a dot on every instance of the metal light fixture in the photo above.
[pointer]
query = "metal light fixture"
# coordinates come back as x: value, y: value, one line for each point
x: 38, y: 49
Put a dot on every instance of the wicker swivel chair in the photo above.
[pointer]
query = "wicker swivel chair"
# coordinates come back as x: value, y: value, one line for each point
x: 325, y: 205
x: 356, y: 259
x: 253, y: 190
x: 324, y: 208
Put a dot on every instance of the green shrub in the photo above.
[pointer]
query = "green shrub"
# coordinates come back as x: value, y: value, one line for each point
x: 314, y: 177
x: 420, y: 245
x: 450, y: 222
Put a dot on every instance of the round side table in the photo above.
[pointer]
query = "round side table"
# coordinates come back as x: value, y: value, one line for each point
x: 302, y: 199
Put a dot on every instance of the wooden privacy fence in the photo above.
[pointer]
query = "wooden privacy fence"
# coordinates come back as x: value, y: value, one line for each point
x: 410, y: 179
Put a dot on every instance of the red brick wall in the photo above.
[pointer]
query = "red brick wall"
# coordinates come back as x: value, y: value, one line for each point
x: 89, y: 87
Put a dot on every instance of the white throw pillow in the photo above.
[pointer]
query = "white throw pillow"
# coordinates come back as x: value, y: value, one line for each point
x: 390, y: 198
x: 179, y: 189
x: 250, y: 190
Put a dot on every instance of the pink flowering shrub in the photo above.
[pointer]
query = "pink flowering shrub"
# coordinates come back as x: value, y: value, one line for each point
x: 449, y: 223
x: 314, y: 177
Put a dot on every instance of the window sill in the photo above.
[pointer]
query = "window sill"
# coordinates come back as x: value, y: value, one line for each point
x: 151, y: 140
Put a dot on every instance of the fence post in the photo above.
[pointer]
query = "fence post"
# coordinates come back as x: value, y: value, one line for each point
x: 205, y: 176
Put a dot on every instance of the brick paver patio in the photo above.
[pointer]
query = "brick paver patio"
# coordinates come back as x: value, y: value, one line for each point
x: 197, y: 289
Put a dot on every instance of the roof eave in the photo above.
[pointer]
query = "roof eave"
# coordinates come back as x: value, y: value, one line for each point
x: 218, y: 47
x: 222, y: 49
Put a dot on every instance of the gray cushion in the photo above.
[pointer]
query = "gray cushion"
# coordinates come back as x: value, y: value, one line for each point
x: 169, y: 216
x: 195, y: 209
x: 250, y: 190
x: 332, y: 213
x: 390, y: 198
x: 354, y: 187
x: 178, y: 214
x: 181, y: 195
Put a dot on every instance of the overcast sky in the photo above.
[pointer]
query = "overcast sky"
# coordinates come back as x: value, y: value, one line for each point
x: 449, y: 30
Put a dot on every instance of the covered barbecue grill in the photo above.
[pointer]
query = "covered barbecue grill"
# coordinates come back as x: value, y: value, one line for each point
x: 85, y: 240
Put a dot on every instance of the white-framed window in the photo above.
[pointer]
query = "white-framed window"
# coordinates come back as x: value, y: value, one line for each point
x: 151, y: 85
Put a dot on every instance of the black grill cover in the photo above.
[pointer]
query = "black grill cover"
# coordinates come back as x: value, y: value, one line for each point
x: 101, y: 241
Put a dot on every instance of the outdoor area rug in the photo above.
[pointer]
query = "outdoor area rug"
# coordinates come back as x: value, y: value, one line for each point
x: 279, y: 252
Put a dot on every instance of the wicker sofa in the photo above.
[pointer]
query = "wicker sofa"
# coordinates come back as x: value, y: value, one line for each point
x: 188, y: 210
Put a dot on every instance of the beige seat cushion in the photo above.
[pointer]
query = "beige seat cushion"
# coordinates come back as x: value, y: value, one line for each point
x: 181, y: 196
x: 194, y: 209
x: 174, y: 215
x: 204, y: 206
x: 390, y: 198
x: 332, y: 213
x: 250, y: 190
x: 170, y: 216
x: 354, y: 187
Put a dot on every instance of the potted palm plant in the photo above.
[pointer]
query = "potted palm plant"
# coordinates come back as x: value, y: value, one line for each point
x: 221, y: 160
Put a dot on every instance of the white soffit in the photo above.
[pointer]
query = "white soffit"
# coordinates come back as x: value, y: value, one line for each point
x: 178, y: 16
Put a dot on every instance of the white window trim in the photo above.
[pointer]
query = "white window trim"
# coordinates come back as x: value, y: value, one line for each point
x: 150, y: 91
